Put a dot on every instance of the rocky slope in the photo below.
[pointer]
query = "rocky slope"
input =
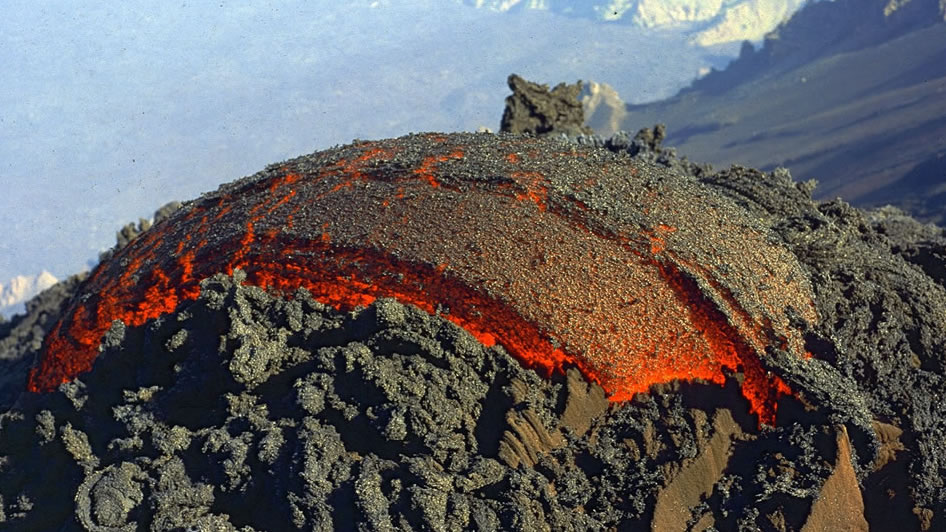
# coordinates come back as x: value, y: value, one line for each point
x: 921, y: 192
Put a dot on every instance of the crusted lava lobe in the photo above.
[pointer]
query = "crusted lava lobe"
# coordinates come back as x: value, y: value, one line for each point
x: 563, y: 255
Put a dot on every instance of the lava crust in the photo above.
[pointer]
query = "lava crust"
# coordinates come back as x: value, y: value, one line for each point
x: 563, y: 255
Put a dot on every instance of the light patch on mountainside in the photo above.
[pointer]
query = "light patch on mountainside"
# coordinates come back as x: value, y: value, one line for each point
x: 506, y: 5
x: 711, y: 22
x: 615, y: 10
x: 747, y: 21
x: 659, y: 13
x: 21, y: 288
x: 895, y: 5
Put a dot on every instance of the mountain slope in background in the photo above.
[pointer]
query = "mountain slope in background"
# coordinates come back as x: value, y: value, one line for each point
x: 712, y: 21
x: 825, y: 29
x: 921, y: 192
x: 851, y: 93
x: 22, y: 288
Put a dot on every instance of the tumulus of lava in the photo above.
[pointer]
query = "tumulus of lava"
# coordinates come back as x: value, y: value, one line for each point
x: 565, y: 256
x: 488, y: 332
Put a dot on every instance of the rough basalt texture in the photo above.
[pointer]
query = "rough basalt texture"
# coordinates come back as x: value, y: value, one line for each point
x: 245, y: 409
x: 533, y: 108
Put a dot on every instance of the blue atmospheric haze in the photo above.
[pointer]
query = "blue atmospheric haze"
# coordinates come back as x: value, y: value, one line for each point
x: 110, y: 109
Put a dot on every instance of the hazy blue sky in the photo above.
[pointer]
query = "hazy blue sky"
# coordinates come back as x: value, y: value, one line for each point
x: 110, y: 109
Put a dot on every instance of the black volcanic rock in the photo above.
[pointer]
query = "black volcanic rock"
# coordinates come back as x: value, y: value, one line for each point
x: 383, y: 416
x: 242, y: 410
x: 533, y: 108
x: 921, y: 244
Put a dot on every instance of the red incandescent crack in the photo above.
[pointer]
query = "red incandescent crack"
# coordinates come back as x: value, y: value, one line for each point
x: 560, y: 254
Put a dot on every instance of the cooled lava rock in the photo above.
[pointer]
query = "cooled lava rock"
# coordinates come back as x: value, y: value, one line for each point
x: 533, y: 108
x: 425, y: 333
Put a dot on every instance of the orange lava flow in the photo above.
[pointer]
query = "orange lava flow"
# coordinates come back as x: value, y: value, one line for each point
x: 561, y: 258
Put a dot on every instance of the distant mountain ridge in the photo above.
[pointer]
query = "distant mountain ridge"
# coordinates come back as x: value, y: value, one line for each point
x: 851, y: 93
x: 822, y: 29
x: 713, y: 21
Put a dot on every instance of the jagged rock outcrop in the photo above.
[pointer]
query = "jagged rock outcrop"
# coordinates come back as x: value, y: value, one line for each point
x: 533, y: 108
x: 132, y: 230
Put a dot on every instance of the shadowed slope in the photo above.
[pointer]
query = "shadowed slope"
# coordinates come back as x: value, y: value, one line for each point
x: 563, y: 256
x: 843, y: 94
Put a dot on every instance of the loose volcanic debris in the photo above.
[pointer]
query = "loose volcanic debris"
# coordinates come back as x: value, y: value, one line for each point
x: 565, y: 256
x: 245, y: 411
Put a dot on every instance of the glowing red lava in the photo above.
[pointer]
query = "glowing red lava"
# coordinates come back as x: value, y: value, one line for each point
x: 560, y: 254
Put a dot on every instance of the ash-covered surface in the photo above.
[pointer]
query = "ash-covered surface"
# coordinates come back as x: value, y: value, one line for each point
x: 243, y: 410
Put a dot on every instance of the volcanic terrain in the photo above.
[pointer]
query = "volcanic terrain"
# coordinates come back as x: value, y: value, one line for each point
x: 492, y: 332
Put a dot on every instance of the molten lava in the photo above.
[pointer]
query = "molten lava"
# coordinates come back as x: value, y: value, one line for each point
x: 564, y: 256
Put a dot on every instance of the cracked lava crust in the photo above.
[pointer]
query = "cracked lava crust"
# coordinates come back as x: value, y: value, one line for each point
x: 562, y: 255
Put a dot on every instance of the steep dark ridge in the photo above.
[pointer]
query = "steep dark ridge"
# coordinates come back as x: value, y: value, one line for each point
x: 823, y: 29
x: 857, y: 109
